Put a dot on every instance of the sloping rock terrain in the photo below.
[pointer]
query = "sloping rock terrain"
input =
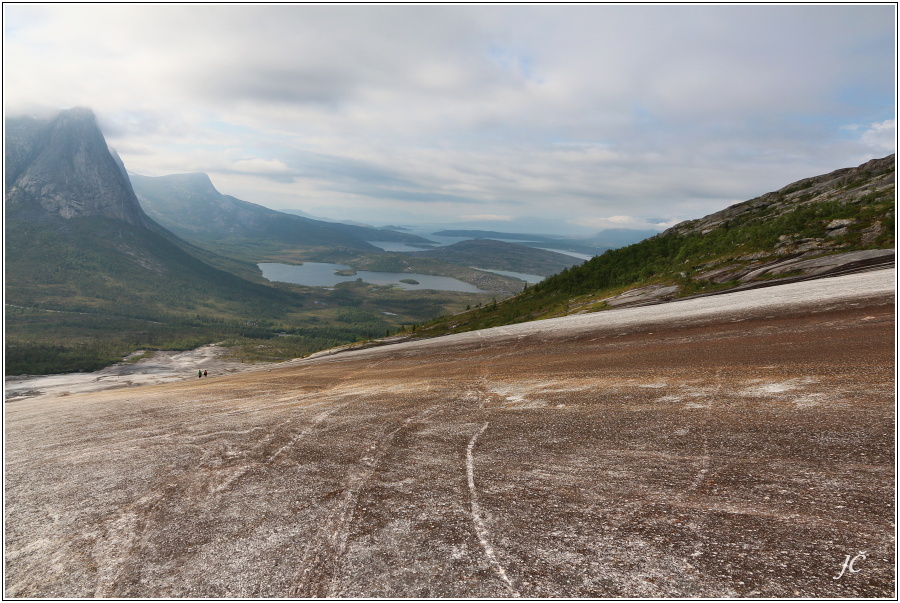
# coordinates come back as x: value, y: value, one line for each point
x: 837, y: 223
x: 814, y: 248
x: 740, y: 445
x: 794, y: 268
x: 871, y: 180
x: 855, y: 190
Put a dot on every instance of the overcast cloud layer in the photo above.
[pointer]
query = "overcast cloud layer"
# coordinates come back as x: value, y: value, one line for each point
x: 599, y: 116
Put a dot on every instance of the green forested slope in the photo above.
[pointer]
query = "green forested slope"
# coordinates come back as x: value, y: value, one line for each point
x: 847, y: 210
x: 90, y: 278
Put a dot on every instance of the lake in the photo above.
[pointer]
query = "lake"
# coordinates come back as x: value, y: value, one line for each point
x: 401, y: 247
x: 317, y: 274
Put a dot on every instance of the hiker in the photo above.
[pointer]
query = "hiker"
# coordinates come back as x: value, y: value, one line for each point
x: 199, y: 374
x: 204, y: 373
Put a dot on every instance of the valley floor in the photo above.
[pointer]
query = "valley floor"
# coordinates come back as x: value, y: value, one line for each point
x: 740, y: 445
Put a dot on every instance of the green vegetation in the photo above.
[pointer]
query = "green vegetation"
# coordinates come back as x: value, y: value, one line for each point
x: 62, y: 327
x: 84, y: 293
x: 88, y: 290
x: 680, y: 257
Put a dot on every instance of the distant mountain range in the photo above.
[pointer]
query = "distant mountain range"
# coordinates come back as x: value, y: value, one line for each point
x: 609, y: 238
x: 89, y: 276
x: 191, y: 207
x: 499, y: 255
x: 96, y: 267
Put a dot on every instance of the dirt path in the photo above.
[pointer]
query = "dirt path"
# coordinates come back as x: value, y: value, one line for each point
x: 672, y: 451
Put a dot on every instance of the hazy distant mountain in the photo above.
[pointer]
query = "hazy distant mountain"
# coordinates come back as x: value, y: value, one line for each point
x: 190, y: 206
x: 77, y: 239
x: 500, y: 255
x: 609, y: 238
x: 62, y: 166
x: 582, y: 245
x: 303, y: 214
x: 495, y: 234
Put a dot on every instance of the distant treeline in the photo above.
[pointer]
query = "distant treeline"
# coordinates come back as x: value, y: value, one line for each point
x: 40, y: 342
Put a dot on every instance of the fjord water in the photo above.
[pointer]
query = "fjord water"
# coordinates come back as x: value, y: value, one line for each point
x: 531, y: 279
x: 315, y: 274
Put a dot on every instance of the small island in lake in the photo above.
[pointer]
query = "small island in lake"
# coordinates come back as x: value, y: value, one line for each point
x: 409, y: 281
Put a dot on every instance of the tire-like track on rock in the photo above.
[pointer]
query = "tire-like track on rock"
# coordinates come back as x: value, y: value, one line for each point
x: 740, y: 445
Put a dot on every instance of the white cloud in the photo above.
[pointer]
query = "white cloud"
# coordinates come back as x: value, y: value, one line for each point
x: 260, y: 166
x: 882, y: 135
x: 558, y: 111
x: 632, y: 222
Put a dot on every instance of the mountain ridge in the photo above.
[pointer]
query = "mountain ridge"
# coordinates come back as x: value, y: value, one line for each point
x: 191, y: 206
x: 829, y: 224
x: 63, y: 166
x: 88, y: 274
x: 500, y: 255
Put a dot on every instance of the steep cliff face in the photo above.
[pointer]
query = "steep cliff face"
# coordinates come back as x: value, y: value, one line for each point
x: 62, y: 166
x: 76, y: 238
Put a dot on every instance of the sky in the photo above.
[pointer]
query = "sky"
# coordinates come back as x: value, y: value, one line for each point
x: 562, y: 118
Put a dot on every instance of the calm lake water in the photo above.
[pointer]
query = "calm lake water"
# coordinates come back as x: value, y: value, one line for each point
x: 403, y: 247
x: 315, y: 274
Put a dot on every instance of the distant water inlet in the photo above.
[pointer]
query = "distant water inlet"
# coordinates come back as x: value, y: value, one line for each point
x: 531, y: 279
x: 316, y: 274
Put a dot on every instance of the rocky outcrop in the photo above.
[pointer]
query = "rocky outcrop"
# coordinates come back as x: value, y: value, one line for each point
x: 822, y: 247
x: 755, y: 275
x: 63, y: 166
x: 870, y: 180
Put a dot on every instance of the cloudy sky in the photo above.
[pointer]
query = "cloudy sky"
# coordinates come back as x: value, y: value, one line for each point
x: 575, y: 117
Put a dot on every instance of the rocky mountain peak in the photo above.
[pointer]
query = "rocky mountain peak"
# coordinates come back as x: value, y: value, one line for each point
x: 63, y: 166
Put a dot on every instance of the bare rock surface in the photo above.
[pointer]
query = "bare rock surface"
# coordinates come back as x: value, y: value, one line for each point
x: 793, y: 267
x: 840, y: 185
x: 62, y: 166
x: 824, y: 264
x: 162, y: 367
x: 740, y: 445
x: 642, y: 294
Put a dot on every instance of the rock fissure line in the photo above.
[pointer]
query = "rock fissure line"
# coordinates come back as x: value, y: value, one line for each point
x: 478, y: 520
